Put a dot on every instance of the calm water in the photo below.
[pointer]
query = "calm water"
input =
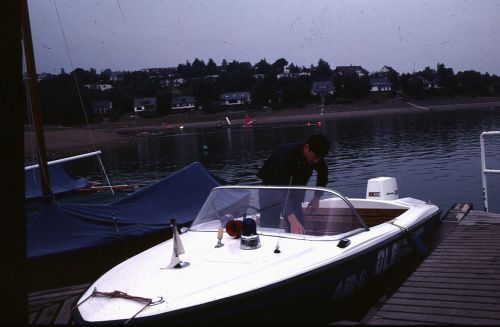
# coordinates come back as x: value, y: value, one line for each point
x: 434, y: 155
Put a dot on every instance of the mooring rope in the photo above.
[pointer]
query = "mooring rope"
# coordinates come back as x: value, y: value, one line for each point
x: 119, y: 294
x: 404, y: 229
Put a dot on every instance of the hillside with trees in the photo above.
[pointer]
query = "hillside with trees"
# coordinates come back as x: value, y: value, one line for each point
x: 271, y: 86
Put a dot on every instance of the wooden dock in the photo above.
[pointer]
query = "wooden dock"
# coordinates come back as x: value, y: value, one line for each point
x: 458, y: 283
x: 53, y: 307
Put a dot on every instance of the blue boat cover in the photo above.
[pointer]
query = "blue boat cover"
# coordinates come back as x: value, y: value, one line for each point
x: 63, y: 227
x: 60, y: 181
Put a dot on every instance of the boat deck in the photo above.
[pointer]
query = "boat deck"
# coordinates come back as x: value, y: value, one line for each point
x: 458, y: 283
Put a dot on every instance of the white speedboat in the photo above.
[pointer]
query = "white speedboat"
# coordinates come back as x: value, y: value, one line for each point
x: 238, y: 262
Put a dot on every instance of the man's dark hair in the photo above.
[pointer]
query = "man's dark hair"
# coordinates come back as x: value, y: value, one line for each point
x: 319, y: 144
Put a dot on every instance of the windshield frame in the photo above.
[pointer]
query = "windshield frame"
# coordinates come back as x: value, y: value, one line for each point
x: 239, y: 192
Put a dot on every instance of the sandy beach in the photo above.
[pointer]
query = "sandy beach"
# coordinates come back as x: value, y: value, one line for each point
x: 67, y: 141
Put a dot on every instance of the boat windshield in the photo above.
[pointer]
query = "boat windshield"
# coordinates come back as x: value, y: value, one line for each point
x: 272, y: 206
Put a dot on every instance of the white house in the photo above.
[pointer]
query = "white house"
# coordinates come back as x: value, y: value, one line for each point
x: 99, y: 87
x: 322, y: 88
x: 183, y: 103
x: 380, y: 84
x: 350, y: 70
x: 234, y: 98
x: 145, y: 105
x: 102, y: 107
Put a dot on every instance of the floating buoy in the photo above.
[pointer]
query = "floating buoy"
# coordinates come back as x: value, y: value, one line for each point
x: 319, y: 123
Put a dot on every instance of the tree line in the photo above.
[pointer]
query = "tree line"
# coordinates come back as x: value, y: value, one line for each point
x: 273, y: 85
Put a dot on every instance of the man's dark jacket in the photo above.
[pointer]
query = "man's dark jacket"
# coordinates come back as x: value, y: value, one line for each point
x: 287, y: 162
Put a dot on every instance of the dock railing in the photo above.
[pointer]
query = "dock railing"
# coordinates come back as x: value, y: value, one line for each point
x: 485, y: 170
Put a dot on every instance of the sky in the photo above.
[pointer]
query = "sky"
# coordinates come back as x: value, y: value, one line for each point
x: 129, y: 35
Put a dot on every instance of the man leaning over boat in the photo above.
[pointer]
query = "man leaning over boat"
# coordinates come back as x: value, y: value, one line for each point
x: 292, y: 164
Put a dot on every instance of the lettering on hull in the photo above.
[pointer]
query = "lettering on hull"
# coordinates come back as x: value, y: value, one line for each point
x: 349, y: 284
x: 390, y: 254
x: 387, y: 257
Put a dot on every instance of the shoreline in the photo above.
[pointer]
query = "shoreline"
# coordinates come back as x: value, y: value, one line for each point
x: 67, y: 141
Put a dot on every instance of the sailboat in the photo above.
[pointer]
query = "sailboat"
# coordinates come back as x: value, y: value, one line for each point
x: 45, y: 179
x: 70, y: 243
x: 61, y: 181
x: 74, y: 242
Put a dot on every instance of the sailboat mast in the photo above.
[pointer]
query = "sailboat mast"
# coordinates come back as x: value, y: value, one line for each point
x: 33, y: 98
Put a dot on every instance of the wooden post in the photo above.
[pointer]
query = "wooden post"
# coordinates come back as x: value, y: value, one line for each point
x: 33, y: 99
x: 14, y: 308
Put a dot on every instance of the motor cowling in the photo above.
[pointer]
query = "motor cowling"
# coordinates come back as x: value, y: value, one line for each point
x: 382, y: 188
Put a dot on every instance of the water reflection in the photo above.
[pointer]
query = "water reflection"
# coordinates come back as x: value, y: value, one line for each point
x: 434, y: 155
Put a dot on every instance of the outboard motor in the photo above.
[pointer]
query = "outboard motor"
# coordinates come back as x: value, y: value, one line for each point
x: 249, y: 238
x: 382, y: 188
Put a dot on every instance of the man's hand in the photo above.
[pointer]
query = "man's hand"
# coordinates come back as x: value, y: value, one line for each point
x: 312, y: 206
x: 295, y: 225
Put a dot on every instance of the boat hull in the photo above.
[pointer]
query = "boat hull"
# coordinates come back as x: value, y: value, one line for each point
x: 309, y: 297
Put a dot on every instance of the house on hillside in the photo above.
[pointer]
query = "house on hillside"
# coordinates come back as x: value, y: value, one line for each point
x: 302, y: 74
x: 176, y: 82
x: 234, y: 99
x: 212, y: 77
x: 380, y: 84
x: 42, y: 76
x: 433, y: 84
x: 426, y: 84
x: 350, y: 71
x: 116, y: 76
x: 386, y: 71
x: 322, y: 88
x: 102, y: 107
x: 283, y: 75
x: 98, y: 87
x: 145, y: 106
x: 183, y: 103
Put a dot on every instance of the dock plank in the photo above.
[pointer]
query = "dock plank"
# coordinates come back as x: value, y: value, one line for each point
x: 472, y: 281
x: 47, y: 314
x: 443, y: 311
x: 394, y: 322
x: 64, y: 316
x: 448, y: 291
x: 425, y: 318
x: 459, y: 283
x: 447, y: 274
x: 457, y: 304
x: 54, y: 306
x: 444, y: 297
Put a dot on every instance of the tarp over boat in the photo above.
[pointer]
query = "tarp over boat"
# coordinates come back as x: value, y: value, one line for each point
x: 62, y: 227
x: 61, y: 181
